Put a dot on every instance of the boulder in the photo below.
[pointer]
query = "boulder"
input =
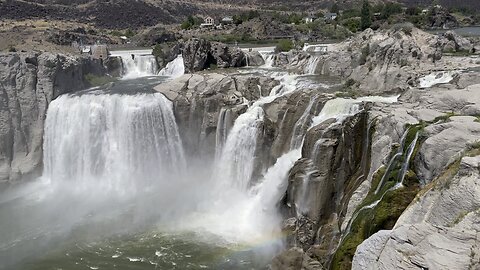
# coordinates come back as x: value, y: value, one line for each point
x: 200, y: 54
x: 226, y: 56
x: 456, y: 43
x: 254, y: 59
x: 196, y: 55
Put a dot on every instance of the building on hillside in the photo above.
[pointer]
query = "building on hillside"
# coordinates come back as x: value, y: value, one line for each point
x: 330, y: 16
x: 310, y: 19
x: 227, y: 20
x: 209, y: 22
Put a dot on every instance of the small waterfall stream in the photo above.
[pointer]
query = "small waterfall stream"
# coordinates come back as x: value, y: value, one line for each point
x: 137, y: 63
x: 174, y: 69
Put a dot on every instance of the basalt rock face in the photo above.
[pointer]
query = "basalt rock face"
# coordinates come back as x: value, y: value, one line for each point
x: 440, y: 230
x: 374, y: 62
x: 333, y: 164
x: 200, y: 54
x: 199, y: 99
x: 28, y: 83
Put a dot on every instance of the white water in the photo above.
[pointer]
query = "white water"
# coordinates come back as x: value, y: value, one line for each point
x: 312, y: 64
x: 301, y: 125
x: 341, y: 108
x: 174, y: 69
x: 113, y: 141
x: 223, y: 127
x: 435, y: 78
x: 137, y: 63
x: 237, y: 160
x: 268, y: 57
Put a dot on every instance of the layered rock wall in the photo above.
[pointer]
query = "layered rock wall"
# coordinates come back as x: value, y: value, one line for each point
x: 28, y: 83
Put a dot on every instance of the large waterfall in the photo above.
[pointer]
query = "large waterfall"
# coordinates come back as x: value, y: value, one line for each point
x: 137, y: 63
x: 116, y: 141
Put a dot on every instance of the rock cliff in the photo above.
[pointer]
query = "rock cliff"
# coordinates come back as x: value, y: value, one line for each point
x: 28, y: 83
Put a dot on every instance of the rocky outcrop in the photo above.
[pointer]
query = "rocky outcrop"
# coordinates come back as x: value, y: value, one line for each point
x: 200, y: 54
x: 453, y: 42
x: 254, y: 59
x: 28, y: 83
x: 114, y: 66
x: 440, y: 230
x: 198, y: 100
x: 378, y: 62
x: 446, y: 121
x: 439, y: 17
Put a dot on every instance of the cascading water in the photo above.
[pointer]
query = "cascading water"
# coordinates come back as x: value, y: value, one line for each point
x: 223, y: 127
x: 268, y: 58
x: 312, y: 64
x: 301, y: 125
x: 123, y: 139
x: 237, y: 159
x: 137, y: 63
x: 174, y: 69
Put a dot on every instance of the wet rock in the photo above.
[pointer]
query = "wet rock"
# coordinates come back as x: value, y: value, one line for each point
x: 294, y: 259
x: 29, y: 82
x: 438, y: 231
x: 439, y: 17
x: 226, y: 56
x: 198, y: 100
x: 254, y: 59
x: 196, y: 55
x: 200, y: 54
x: 114, y: 66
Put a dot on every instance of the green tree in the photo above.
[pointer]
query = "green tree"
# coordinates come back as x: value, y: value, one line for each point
x: 365, y: 15
x: 334, y: 8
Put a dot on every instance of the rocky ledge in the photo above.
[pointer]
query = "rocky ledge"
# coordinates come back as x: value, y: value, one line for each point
x: 28, y: 83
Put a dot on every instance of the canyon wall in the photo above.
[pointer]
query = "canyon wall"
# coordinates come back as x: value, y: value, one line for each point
x: 28, y: 83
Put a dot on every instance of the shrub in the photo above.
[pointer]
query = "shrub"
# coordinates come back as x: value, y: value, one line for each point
x: 352, y: 24
x: 284, y: 45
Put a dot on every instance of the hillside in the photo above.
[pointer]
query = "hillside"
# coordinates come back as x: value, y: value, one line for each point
x: 121, y: 14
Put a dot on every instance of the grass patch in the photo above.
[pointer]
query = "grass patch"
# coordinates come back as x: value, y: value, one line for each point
x: 94, y: 80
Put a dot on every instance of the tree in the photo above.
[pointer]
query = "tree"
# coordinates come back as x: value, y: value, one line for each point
x: 365, y: 15
x: 334, y: 8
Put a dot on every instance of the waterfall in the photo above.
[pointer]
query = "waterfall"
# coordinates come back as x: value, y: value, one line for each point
x: 408, y: 156
x: 137, y: 63
x: 392, y: 161
x: 268, y: 58
x: 223, y: 127
x: 174, y: 69
x: 237, y: 159
x: 302, y: 124
x: 312, y: 64
x: 112, y: 140
x: 341, y: 108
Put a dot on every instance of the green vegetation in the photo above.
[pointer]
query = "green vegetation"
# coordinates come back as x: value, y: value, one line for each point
x: 366, y: 15
x: 352, y: 24
x: 128, y: 33
x: 380, y: 211
x: 11, y: 48
x: 364, y: 55
x: 284, y: 45
x: 191, y: 22
x: 158, y: 51
x: 245, y: 16
x: 334, y: 8
x: 95, y: 80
